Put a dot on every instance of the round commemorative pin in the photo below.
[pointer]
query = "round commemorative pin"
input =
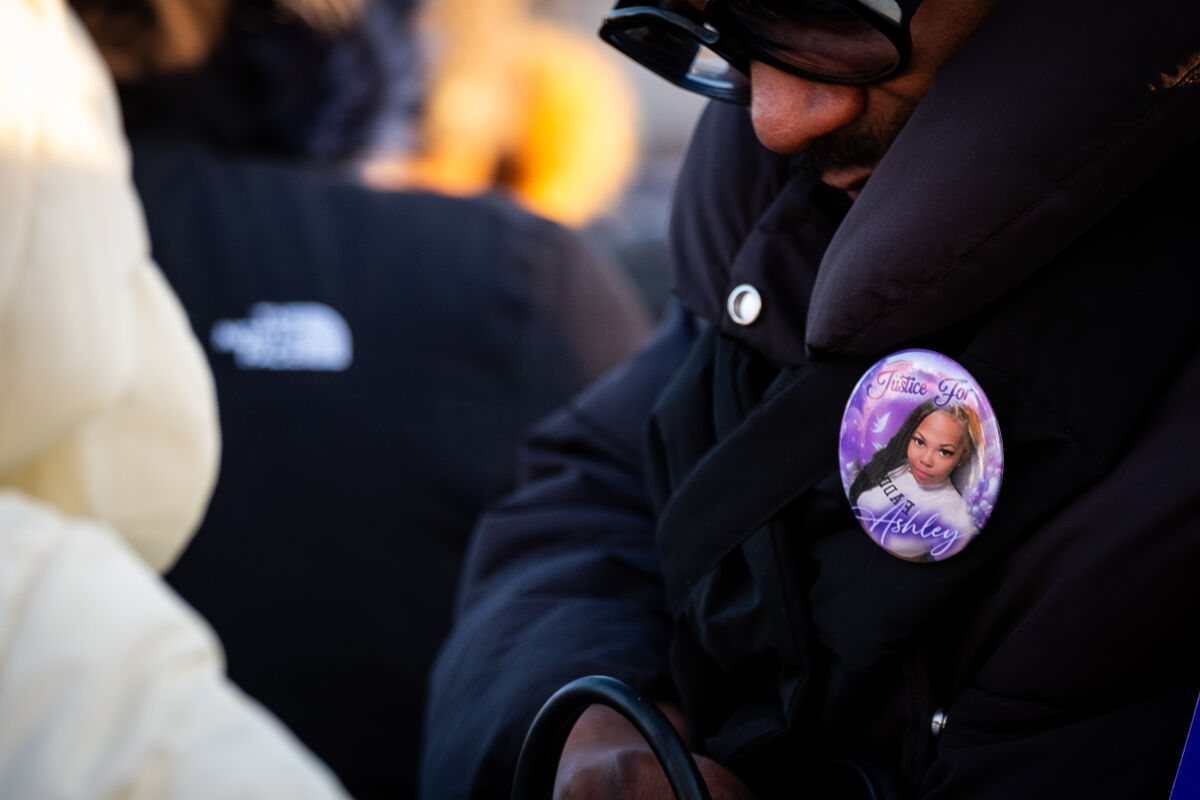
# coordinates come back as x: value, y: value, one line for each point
x: 921, y: 456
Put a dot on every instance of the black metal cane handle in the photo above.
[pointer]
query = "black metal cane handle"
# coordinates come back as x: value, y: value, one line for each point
x: 538, y: 762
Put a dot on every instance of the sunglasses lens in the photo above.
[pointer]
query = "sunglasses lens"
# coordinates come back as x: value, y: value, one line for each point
x: 820, y: 37
x: 680, y: 58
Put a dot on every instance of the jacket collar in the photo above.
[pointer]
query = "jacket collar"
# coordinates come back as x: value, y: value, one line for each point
x: 1044, y: 122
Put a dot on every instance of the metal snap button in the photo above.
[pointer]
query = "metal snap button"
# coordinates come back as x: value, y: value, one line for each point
x: 744, y: 304
x: 938, y: 723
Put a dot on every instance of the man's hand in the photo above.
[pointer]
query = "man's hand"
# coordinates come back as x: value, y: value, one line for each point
x: 606, y: 758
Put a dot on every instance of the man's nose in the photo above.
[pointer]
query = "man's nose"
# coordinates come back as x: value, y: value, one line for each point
x: 789, y: 112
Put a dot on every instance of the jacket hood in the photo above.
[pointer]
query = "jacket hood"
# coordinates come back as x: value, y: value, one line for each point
x: 107, y: 408
x: 1041, y: 124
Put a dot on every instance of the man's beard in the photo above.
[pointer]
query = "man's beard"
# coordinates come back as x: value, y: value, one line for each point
x: 857, y: 146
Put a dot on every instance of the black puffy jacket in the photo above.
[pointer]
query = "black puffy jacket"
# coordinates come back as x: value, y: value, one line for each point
x: 1032, y: 222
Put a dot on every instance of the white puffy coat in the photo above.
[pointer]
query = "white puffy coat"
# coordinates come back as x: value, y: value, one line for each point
x: 109, y: 685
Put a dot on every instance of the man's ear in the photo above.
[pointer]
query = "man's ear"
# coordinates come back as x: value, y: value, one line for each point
x: 140, y: 38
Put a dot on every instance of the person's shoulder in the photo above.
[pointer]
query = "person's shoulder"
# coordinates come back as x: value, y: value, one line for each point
x: 61, y: 569
x: 167, y: 159
x: 196, y: 176
x: 494, y: 213
x: 80, y: 611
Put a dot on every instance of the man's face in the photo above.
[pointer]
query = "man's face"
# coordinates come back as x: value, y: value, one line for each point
x: 847, y: 129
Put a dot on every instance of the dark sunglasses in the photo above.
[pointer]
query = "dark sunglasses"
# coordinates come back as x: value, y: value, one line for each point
x: 709, y: 51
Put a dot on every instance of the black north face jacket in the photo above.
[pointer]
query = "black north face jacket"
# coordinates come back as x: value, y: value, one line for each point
x: 354, y: 466
x: 1032, y: 221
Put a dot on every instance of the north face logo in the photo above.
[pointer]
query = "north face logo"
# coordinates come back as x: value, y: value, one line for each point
x: 286, y: 336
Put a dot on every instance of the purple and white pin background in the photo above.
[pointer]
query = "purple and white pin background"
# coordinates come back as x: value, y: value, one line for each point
x: 880, y: 404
